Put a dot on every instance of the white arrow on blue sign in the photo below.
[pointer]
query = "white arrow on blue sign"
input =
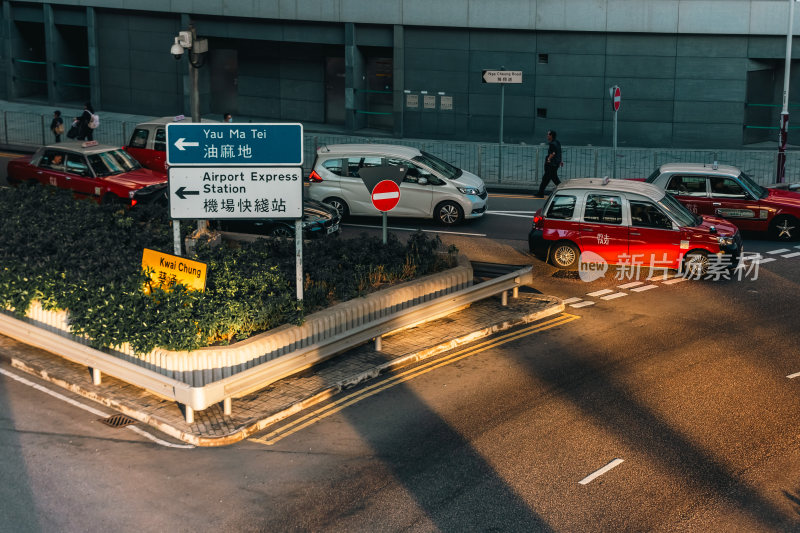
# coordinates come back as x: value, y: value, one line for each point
x: 237, y: 144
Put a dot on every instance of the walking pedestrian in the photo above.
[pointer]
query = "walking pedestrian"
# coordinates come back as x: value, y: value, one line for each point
x: 85, y: 129
x: 551, y: 162
x: 57, y: 125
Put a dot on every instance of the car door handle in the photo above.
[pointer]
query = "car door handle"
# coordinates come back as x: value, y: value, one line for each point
x: 716, y: 204
x: 39, y: 172
x: 635, y: 233
x: 587, y: 229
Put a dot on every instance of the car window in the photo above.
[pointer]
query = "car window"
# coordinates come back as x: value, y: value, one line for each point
x: 139, y: 138
x: 160, y: 141
x: 354, y: 164
x: 687, y: 185
x: 52, y: 159
x: 647, y: 215
x: 76, y: 164
x: 603, y: 208
x: 439, y: 165
x: 334, y: 166
x: 726, y: 188
x: 112, y: 162
x: 562, y: 207
x: 413, y: 172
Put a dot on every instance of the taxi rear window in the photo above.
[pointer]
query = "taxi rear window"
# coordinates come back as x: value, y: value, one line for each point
x: 139, y: 138
x: 603, y: 208
x: 562, y: 207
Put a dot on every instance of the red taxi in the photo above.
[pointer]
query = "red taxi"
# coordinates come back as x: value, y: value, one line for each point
x: 626, y: 221
x: 148, y: 143
x: 106, y: 173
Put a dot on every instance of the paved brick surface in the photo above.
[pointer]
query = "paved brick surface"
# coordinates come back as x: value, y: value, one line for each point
x: 258, y: 410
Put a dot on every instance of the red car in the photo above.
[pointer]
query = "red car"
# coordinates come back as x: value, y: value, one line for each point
x: 105, y: 173
x: 148, y: 144
x: 622, y: 221
x: 727, y: 192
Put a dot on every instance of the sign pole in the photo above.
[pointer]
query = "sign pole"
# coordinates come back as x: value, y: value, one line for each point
x: 298, y: 256
x: 616, y: 102
x: 385, y: 227
x: 176, y: 235
x: 500, y: 148
x: 614, y: 172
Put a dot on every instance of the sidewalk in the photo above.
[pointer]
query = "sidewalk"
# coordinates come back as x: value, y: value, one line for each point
x: 260, y: 410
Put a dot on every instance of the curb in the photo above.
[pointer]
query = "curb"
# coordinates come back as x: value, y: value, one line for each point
x: 554, y: 307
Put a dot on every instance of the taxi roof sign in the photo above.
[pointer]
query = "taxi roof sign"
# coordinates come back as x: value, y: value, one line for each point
x: 87, y: 144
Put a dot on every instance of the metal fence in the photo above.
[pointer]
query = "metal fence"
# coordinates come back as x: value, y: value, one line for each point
x: 522, y: 165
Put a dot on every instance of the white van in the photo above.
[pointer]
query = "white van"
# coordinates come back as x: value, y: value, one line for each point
x: 432, y: 188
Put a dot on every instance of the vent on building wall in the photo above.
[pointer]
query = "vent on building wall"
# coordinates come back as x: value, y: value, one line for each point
x: 541, y: 112
x: 543, y: 58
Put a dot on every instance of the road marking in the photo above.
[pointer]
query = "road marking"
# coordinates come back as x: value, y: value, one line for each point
x: 591, y: 477
x: 798, y: 246
x: 630, y: 285
x: 763, y: 260
x: 508, y: 214
x: 614, y: 296
x: 416, y: 229
x: 599, y: 293
x: 645, y: 288
x: 92, y: 410
x: 12, y: 156
x: 673, y: 281
x: 355, y: 397
x: 572, y: 300
x: 792, y: 376
x: 665, y: 276
x: 582, y: 304
x: 793, y: 254
x: 780, y: 251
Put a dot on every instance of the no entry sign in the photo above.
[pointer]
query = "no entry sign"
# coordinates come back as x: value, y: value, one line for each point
x: 385, y: 195
x: 617, y: 98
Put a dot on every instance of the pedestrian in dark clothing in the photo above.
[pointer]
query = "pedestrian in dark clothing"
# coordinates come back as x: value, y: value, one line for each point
x: 74, y: 129
x: 84, y: 131
x: 57, y: 125
x: 551, y: 162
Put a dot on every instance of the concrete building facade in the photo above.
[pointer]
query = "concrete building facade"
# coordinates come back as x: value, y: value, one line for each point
x: 693, y: 73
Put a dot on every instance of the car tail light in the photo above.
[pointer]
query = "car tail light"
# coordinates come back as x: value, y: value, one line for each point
x: 134, y: 202
x: 314, y: 177
x: 537, y: 221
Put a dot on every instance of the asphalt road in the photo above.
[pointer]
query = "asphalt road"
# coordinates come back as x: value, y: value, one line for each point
x: 665, y: 409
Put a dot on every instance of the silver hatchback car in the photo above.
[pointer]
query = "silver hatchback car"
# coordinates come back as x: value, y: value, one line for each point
x: 431, y: 188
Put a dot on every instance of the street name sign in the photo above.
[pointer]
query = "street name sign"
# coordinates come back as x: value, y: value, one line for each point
x: 166, y: 270
x: 385, y: 195
x: 235, y: 192
x: 240, y: 144
x: 501, y: 76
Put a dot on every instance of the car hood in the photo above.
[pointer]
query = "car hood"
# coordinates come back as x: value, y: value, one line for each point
x: 722, y: 226
x: 138, y: 178
x: 314, y: 211
x: 469, y: 179
x: 782, y: 198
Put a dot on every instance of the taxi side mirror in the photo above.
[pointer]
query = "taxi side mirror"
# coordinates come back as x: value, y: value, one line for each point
x: 422, y: 181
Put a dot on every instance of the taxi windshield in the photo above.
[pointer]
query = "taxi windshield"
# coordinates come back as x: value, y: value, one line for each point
x: 440, y: 166
x: 757, y: 190
x: 678, y: 212
x: 112, y: 163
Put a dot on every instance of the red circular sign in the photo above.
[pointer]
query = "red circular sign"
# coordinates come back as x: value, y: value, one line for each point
x: 385, y: 195
x: 617, y: 98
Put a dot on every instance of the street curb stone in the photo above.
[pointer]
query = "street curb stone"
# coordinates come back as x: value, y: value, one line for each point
x: 215, y: 430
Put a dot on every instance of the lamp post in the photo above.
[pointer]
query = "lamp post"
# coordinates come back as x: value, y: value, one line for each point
x: 187, y: 40
x: 783, y: 136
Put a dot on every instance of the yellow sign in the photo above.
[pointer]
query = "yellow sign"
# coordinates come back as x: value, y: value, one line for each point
x: 168, y: 270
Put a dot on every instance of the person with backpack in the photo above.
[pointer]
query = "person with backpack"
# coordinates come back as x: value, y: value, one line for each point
x: 89, y: 122
x: 57, y: 125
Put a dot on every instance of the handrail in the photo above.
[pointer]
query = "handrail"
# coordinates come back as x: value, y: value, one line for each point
x: 199, y: 398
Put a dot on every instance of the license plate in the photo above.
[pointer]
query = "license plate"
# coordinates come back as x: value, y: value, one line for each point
x: 333, y: 229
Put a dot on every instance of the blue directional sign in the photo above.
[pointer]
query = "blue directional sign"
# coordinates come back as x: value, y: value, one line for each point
x: 235, y: 144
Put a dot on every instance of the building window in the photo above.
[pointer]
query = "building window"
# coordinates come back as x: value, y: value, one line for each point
x: 541, y: 112
x: 543, y: 58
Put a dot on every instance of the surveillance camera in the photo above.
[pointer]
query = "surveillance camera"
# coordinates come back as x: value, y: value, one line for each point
x: 176, y: 50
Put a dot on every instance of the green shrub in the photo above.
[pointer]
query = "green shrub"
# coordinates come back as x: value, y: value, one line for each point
x: 86, y: 258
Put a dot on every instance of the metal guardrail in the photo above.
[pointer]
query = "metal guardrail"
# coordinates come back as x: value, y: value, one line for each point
x: 258, y: 377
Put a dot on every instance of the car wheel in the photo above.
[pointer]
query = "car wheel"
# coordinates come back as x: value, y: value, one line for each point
x: 784, y: 228
x: 565, y: 255
x: 449, y: 213
x: 338, y: 204
x: 283, y: 232
x: 695, y: 264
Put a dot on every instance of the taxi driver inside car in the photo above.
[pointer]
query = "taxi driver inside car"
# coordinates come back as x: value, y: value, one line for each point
x: 618, y: 220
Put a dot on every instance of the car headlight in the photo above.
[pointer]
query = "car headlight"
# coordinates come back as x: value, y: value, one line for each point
x: 726, y: 241
x: 468, y: 190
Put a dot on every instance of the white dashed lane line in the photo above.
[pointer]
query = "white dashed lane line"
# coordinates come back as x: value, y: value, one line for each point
x: 630, y: 285
x: 572, y: 300
x: 673, y: 281
x: 614, y: 296
x: 645, y: 288
x: 795, y: 375
x: 594, y: 475
x: 763, y: 260
x: 582, y: 304
x: 599, y: 293
x: 781, y: 251
x: 793, y: 254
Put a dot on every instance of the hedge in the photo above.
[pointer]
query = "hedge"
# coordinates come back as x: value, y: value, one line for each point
x: 86, y: 258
